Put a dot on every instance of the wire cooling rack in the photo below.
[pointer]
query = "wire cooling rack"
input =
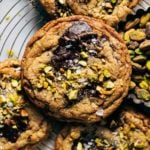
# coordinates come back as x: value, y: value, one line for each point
x: 19, y: 20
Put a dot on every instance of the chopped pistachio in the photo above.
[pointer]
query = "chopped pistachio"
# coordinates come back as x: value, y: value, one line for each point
x: 47, y: 69
x: 98, y: 142
x: 72, y: 94
x: 39, y: 85
x: 2, y: 99
x: 108, y: 84
x: 132, y: 126
x: 83, y: 63
x: 144, y: 85
x: 45, y: 85
x: 50, y: 74
x: 143, y: 94
x: 68, y: 74
x: 84, y: 55
x: 137, y: 35
x: 14, y: 83
x: 113, y: 1
x: 138, y: 51
x: 148, y: 65
x: 19, y: 87
x: 106, y: 74
x: 127, y: 35
x: 144, y: 19
x: 10, y: 53
x: 3, y: 85
x: 139, y: 59
x: 132, y: 85
x: 101, y: 78
x: 139, y: 144
x: 42, y: 66
x: 13, y: 98
x: 79, y: 146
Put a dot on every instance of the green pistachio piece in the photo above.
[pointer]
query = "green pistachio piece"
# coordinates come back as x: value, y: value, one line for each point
x: 132, y: 85
x: 39, y: 85
x: 19, y: 87
x: 68, y: 74
x: 132, y: 126
x: 143, y: 94
x: 108, y: 84
x: 2, y: 99
x: 139, y: 144
x: 50, y: 74
x: 145, y: 45
x: 79, y: 146
x: 13, y: 98
x: 10, y: 53
x: 139, y: 59
x: 42, y: 66
x: 144, y: 19
x: 3, y: 85
x: 45, y: 85
x: 47, y: 69
x: 138, y: 51
x: 148, y: 65
x: 72, y: 94
x: 14, y: 83
x: 83, y: 63
x: 126, y: 36
x: 144, y: 85
x: 137, y: 35
x: 106, y: 74
x: 84, y: 55
x: 131, y: 52
x: 98, y: 142
x: 113, y: 1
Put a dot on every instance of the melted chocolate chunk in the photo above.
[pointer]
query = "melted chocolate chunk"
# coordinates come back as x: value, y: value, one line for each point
x: 71, y: 43
x: 77, y: 28
x: 12, y: 131
x: 89, y: 90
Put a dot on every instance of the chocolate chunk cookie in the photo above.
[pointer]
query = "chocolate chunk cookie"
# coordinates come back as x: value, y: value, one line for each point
x: 76, y: 68
x: 137, y: 38
x: 111, y: 11
x: 21, y: 126
x: 129, y: 132
x: 56, y: 8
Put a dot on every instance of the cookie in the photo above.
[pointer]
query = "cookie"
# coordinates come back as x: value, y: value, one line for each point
x: 21, y: 126
x: 129, y: 132
x: 56, y: 8
x: 77, y: 69
x: 111, y: 11
x: 137, y: 38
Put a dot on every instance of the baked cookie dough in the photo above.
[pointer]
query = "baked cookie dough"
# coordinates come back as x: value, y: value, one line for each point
x: 56, y: 8
x: 129, y: 132
x: 77, y: 69
x: 111, y: 11
x: 21, y: 126
x: 137, y: 38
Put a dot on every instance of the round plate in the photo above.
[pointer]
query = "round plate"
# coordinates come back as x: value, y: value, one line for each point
x: 19, y: 20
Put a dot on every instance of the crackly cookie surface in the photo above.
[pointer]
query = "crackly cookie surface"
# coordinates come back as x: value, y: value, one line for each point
x: 137, y: 38
x: 126, y: 131
x: 111, y: 11
x: 76, y: 68
x: 20, y: 125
